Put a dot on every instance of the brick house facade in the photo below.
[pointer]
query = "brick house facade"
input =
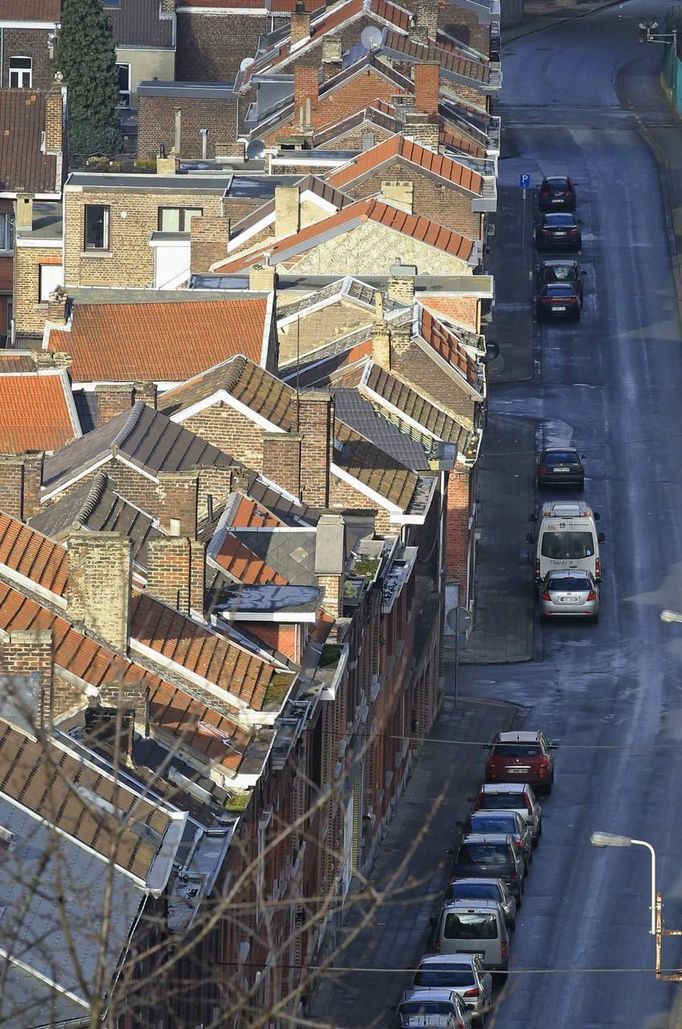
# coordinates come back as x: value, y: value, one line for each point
x: 198, y: 122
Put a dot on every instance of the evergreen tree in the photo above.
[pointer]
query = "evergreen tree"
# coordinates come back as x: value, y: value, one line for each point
x: 86, y: 57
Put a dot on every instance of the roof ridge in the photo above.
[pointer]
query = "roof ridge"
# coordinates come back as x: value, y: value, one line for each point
x: 99, y: 484
x: 128, y: 427
x: 239, y: 363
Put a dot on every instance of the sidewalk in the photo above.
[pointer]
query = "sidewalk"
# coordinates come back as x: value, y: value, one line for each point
x: 422, y: 831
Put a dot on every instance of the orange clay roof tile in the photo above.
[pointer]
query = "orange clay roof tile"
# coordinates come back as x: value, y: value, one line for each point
x: 35, y: 413
x: 401, y: 148
x: 35, y: 556
x: 160, y: 342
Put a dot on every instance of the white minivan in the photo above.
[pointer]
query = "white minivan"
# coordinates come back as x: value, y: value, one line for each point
x: 566, y: 537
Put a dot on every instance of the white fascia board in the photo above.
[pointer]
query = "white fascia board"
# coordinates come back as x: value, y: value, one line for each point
x: 136, y: 468
x: 11, y: 194
x: 70, y: 402
x: 222, y: 396
x: 326, y: 162
x: 177, y: 243
x: 315, y: 198
x: 269, y: 325
x: 239, y: 240
x: 91, y: 384
x: 76, y: 478
x: 400, y: 414
x: 162, y: 865
x: 49, y: 244
x: 14, y: 24
x: 288, y: 617
x: 371, y: 494
x: 172, y: 666
x: 318, y: 306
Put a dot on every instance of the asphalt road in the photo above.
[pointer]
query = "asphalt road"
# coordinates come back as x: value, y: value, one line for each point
x: 612, y: 693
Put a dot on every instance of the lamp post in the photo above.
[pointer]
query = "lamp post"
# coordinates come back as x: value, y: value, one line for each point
x: 608, y: 839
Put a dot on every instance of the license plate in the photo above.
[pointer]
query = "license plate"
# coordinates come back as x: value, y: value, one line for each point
x: 476, y: 953
x: 560, y: 233
x: 556, y: 200
x: 566, y: 600
x: 519, y: 770
x: 558, y: 308
x: 562, y: 468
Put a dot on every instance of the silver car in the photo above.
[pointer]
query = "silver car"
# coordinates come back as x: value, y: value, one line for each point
x: 515, y: 796
x: 485, y: 889
x: 569, y: 594
x: 460, y: 972
x: 442, y: 1008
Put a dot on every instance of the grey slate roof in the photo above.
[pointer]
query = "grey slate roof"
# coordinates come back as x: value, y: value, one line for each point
x: 357, y: 412
x: 138, y: 23
x: 96, y: 505
x: 292, y: 554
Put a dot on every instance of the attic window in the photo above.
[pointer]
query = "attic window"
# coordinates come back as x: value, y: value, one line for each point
x: 20, y: 72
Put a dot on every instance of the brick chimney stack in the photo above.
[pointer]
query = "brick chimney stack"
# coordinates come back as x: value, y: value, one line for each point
x: 332, y: 56
x: 54, y: 118
x: 316, y: 426
x: 425, y: 24
x: 24, y: 214
x: 381, y: 337
x: 282, y: 460
x: 306, y: 94
x: 98, y: 590
x: 262, y: 277
x: 27, y: 654
x: 209, y: 236
x: 426, y: 88
x: 330, y: 561
x: 178, y: 494
x: 398, y: 194
x: 176, y: 572
x: 300, y: 24
x: 21, y: 478
x: 112, y: 398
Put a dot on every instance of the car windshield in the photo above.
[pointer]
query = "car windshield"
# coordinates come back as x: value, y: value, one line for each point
x: 569, y: 583
x: 561, y: 220
x: 483, y: 854
x: 466, y: 925
x: 426, y: 1007
x: 474, y: 891
x: 558, y: 272
x: 567, y: 546
x: 559, y: 457
x: 517, y: 750
x: 444, y: 977
x: 515, y: 800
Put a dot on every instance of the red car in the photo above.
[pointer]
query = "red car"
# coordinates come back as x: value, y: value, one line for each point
x: 521, y: 757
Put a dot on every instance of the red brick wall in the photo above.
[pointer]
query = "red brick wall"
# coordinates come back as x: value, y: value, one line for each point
x: 231, y: 432
x: 284, y: 638
x: 458, y: 539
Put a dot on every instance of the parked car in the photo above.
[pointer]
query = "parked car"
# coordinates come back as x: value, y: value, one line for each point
x: 485, y: 889
x: 556, y: 193
x: 517, y: 796
x: 474, y: 927
x: 561, y: 466
x: 460, y: 972
x: 558, y: 232
x: 526, y: 756
x: 557, y: 301
x: 569, y: 594
x: 425, y: 1008
x: 502, y: 821
x: 491, y: 855
x: 561, y: 269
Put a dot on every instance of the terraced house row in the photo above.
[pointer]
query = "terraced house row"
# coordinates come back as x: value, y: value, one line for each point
x: 242, y: 399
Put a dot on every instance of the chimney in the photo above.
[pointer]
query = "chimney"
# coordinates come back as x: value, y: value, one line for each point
x: 51, y: 359
x: 282, y: 460
x: 54, y: 119
x: 399, y: 194
x: 426, y: 88
x: 98, y: 589
x: 401, y: 286
x: 332, y: 56
x: 178, y: 494
x: 262, y: 278
x: 147, y: 392
x: 425, y: 25
x: 175, y: 572
x: 316, y: 426
x: 167, y: 8
x: 167, y: 165
x: 27, y: 653
x: 401, y: 339
x: 21, y: 477
x: 306, y: 94
x: 300, y: 25
x: 330, y: 561
x: 57, y: 307
x: 24, y: 217
x: 111, y: 720
x: 287, y: 211
x: 111, y: 399
x: 381, y: 339
x: 209, y: 236
x: 424, y: 132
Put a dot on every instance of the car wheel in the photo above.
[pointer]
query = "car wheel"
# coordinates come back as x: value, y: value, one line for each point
x: 519, y: 903
x: 595, y: 618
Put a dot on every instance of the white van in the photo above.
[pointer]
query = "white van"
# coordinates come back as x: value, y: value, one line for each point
x: 474, y: 927
x: 566, y: 537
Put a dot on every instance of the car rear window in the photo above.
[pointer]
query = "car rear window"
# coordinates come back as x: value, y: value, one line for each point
x: 517, y: 750
x: 558, y: 273
x: 493, y: 823
x: 444, y: 977
x: 426, y: 1007
x: 514, y: 800
x: 571, y: 583
x: 483, y: 854
x: 560, y: 457
x: 473, y: 891
x: 559, y: 289
x: 470, y: 926
x: 559, y: 219
x: 567, y: 546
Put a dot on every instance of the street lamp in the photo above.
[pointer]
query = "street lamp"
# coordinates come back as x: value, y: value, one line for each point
x: 608, y: 839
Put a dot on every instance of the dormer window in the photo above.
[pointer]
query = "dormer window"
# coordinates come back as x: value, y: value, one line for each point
x: 20, y: 72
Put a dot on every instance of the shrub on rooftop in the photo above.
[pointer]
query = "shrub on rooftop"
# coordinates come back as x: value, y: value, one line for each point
x: 86, y: 57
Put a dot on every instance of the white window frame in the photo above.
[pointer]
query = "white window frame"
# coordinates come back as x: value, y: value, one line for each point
x: 124, y: 95
x: 105, y: 246
x: 6, y: 234
x: 182, y: 212
x: 49, y: 277
x: 21, y: 73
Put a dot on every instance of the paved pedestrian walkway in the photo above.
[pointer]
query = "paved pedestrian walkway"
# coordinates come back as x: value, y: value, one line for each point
x: 411, y: 871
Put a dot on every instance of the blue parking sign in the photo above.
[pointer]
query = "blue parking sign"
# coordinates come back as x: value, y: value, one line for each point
x: 524, y: 181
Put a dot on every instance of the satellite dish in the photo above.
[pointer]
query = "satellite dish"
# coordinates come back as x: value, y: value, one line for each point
x: 246, y: 63
x: 372, y: 38
x: 255, y: 150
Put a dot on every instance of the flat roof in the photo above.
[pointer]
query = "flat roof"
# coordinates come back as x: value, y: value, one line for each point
x: 210, y: 182
x: 190, y: 90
